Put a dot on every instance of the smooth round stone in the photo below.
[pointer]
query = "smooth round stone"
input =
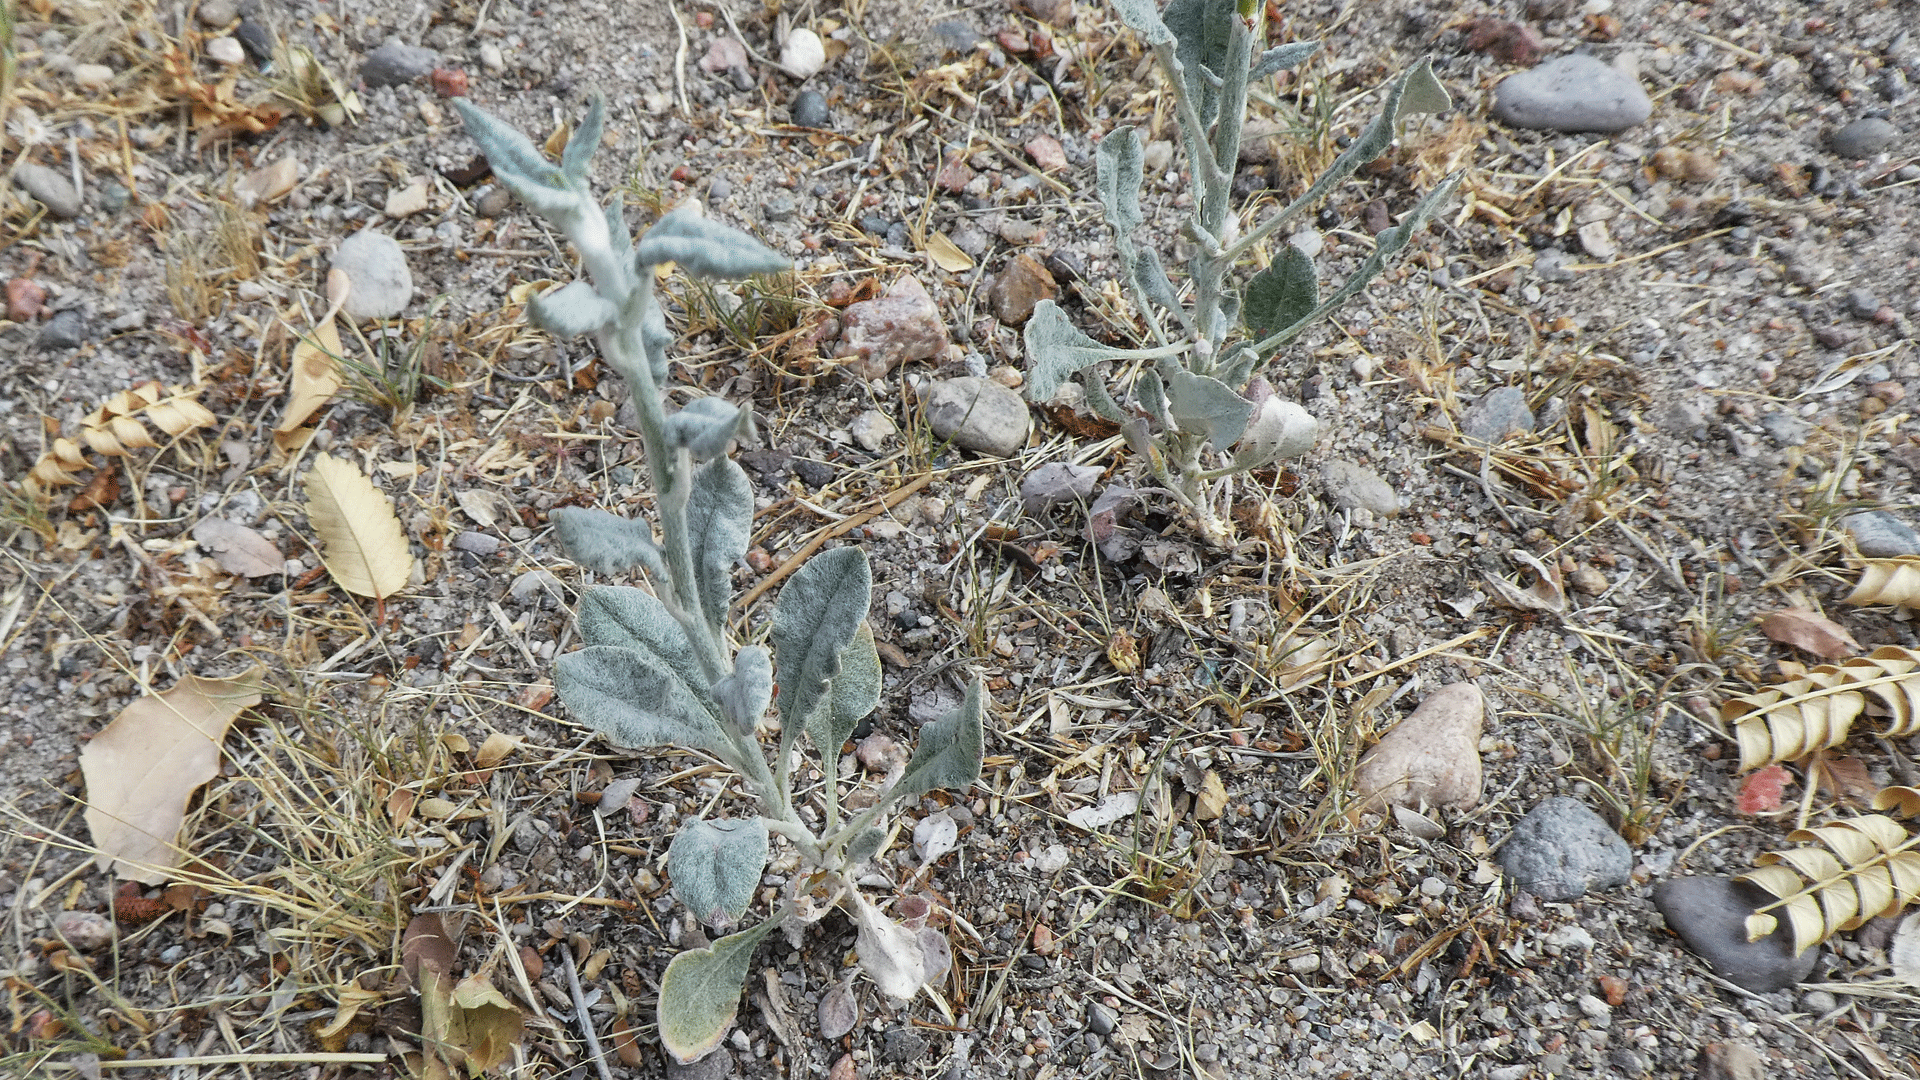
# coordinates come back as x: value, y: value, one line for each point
x: 1710, y: 914
x: 1880, y: 535
x: 810, y: 109
x: 1863, y: 138
x: 1572, y: 93
x: 382, y: 284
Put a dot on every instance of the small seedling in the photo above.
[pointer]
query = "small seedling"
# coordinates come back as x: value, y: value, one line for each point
x: 659, y: 668
x: 1182, y: 397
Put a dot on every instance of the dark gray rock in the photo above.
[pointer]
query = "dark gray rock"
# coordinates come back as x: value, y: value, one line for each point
x: 1571, y: 93
x: 1551, y: 265
x: 1352, y: 486
x: 953, y: 36
x: 54, y: 190
x: 779, y: 206
x: 67, y: 330
x: 715, y: 1066
x: 1862, y: 303
x: 396, y: 62
x: 1497, y: 416
x: 900, y: 1045
x: 1058, y: 481
x: 978, y: 414
x: 1100, y: 1019
x: 477, y: 542
x: 1561, y: 851
x: 1710, y: 913
x: 1880, y: 535
x: 810, y: 109
x: 1863, y: 138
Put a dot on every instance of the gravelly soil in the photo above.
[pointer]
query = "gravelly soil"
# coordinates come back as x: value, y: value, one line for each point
x: 1269, y: 936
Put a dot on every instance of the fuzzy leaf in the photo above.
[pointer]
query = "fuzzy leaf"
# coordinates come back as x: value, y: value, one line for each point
x: 635, y: 700
x: 1151, y: 277
x: 579, y: 152
x: 1281, y: 58
x: 1152, y: 393
x: 1415, y: 91
x: 705, y: 248
x: 856, y: 690
x: 1117, y: 171
x: 630, y: 618
x: 520, y: 165
x: 866, y: 845
x: 571, y: 311
x: 950, y: 750
x: 716, y: 866
x: 1145, y: 19
x: 705, y: 427
x: 1282, y: 294
x: 1279, y: 430
x: 700, y: 993
x: 818, y: 615
x: 1201, y: 29
x: 1198, y: 402
x: 720, y: 522
x: 890, y: 953
x: 1056, y: 350
x: 744, y: 695
x: 608, y: 543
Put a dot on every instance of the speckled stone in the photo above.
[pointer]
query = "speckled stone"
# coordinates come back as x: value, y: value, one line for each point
x: 1561, y: 850
x: 1572, y: 93
x: 1863, y: 138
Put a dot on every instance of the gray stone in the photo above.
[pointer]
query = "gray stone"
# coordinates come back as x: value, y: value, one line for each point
x: 778, y: 206
x: 53, y: 190
x: 1710, y: 914
x: 715, y: 1066
x: 67, y: 330
x: 382, y: 284
x: 1561, y: 850
x: 1497, y: 416
x: 1683, y: 418
x: 396, y: 62
x: 1880, y: 535
x: 1351, y: 486
x: 1863, y: 138
x: 1100, y: 1019
x: 1551, y: 265
x: 1862, y: 303
x: 1784, y: 428
x: 216, y: 14
x: 1732, y: 1061
x: 478, y: 543
x: 978, y: 414
x: 901, y: 1045
x: 494, y: 202
x: 1572, y: 93
x: 810, y: 109
x: 1058, y: 481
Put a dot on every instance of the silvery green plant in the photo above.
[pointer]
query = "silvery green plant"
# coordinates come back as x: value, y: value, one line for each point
x: 658, y: 668
x: 1180, y: 399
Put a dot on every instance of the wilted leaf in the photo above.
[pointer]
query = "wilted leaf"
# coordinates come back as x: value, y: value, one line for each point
x: 488, y: 508
x: 934, y: 836
x: 314, y: 375
x: 700, y: 993
x: 1762, y: 788
x: 1210, y: 802
x: 361, y: 541
x: 144, y: 766
x: 238, y: 549
x: 839, y: 1011
x: 890, y: 953
x: 427, y: 950
x: 1120, y: 804
x: 1903, y: 954
x: 947, y: 255
x: 1847, y: 778
x: 1804, y: 629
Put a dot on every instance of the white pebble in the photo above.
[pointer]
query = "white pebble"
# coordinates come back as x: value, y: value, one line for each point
x: 491, y: 58
x: 225, y: 50
x: 803, y: 55
x: 92, y: 76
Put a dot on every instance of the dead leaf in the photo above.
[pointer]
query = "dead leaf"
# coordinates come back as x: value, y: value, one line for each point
x: 486, y: 508
x: 947, y: 255
x: 1762, y: 789
x: 1903, y: 954
x: 1123, y: 652
x: 1817, y: 634
x: 360, y: 538
x: 1547, y: 594
x: 1847, y: 778
x: 314, y: 374
x: 238, y: 549
x: 1303, y: 660
x: 144, y: 766
x: 1211, y: 800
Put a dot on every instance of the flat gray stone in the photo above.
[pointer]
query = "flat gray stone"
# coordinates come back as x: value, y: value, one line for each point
x: 1561, y: 850
x: 382, y: 284
x: 1863, y: 138
x: 396, y: 62
x: 978, y: 414
x: 715, y: 1066
x: 1784, y: 428
x: 53, y: 190
x: 1352, y: 486
x: 1880, y: 535
x: 1498, y: 415
x: 478, y: 543
x: 1710, y: 915
x: 1572, y: 93
x: 66, y: 330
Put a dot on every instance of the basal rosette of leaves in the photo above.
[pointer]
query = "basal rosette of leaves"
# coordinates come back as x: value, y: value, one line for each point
x: 658, y: 668
x: 1191, y: 393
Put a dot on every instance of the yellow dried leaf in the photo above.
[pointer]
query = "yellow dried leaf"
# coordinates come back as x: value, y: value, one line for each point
x: 1888, y: 581
x: 495, y: 749
x: 360, y: 538
x: 144, y: 766
x: 101, y: 441
x: 1817, y: 710
x: 1868, y: 867
x: 1905, y: 800
x: 131, y: 433
x: 315, y: 374
x: 947, y: 255
x: 179, y: 415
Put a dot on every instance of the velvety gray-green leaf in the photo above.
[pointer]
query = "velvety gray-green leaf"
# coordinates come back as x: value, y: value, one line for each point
x: 617, y: 232
x: 586, y: 139
x: 744, y: 695
x: 704, y: 248
x: 1200, y: 403
x: 1282, y: 294
x: 628, y: 618
x: 1152, y: 392
x: 1201, y: 29
x: 866, y: 845
x: 1281, y: 58
x: 716, y: 866
x: 517, y: 163
x: 1144, y: 17
x: 700, y: 993
x: 570, y: 311
x: 1055, y: 350
x: 855, y: 693
x: 817, y: 616
x: 950, y: 750
x: 655, y: 338
x: 720, y: 523
x: 1415, y: 91
x: 608, y: 543
x: 1281, y: 429
x: 706, y: 425
x: 1101, y: 402
x: 635, y: 700
x: 1151, y: 277
x: 1239, y: 366
x: 1117, y: 173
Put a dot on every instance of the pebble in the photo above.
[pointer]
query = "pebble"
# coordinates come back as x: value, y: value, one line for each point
x: 1880, y: 535
x: 26, y: 299
x: 953, y: 36
x: 395, y: 62
x: 226, y: 50
x: 1597, y: 241
x: 779, y: 206
x: 1561, y: 850
x: 1710, y: 913
x: 409, y: 200
x: 810, y: 109
x: 256, y: 40
x: 718, y: 1065
x: 1571, y: 93
x: 493, y: 203
x: 1862, y: 303
x: 382, y: 284
x: 1046, y: 152
x: 1100, y: 1019
x: 1732, y: 1061
x: 1498, y: 415
x: 92, y: 76
x: 1552, y: 264
x: 872, y: 429
x: 1863, y: 138
x: 901, y: 1045
x: 1057, y: 481
x: 1784, y: 428
x: 215, y: 14
x: 53, y: 190
x: 1022, y: 284
x: 804, y: 54
x: 84, y: 930
x: 1432, y: 757
x: 478, y: 543
x: 978, y: 414
x: 492, y: 58
x: 904, y: 324
x: 268, y: 182
x: 1352, y: 486
x: 67, y: 330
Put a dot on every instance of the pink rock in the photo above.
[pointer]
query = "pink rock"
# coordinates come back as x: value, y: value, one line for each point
x: 725, y: 53
x: 879, y: 753
x: 1432, y: 757
x: 1046, y: 153
x: 954, y: 176
x: 882, y: 333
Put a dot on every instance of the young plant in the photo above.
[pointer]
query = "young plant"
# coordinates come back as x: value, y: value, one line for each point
x: 658, y: 668
x: 1181, y: 397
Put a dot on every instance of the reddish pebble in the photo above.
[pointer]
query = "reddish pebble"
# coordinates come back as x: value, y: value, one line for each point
x: 532, y: 962
x: 703, y: 20
x: 1043, y: 942
x: 1013, y: 41
x: 449, y: 82
x: 1421, y: 538
x: 25, y: 300
x: 954, y: 176
x: 1614, y: 989
x: 682, y: 174
x: 1889, y: 392
x: 1046, y: 153
x: 759, y: 560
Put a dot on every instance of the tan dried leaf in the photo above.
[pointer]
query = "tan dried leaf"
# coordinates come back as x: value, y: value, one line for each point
x: 1809, y: 630
x: 314, y: 371
x: 144, y: 766
x: 1904, y: 801
x: 1302, y: 660
x: 1862, y: 868
x: 1210, y: 802
x: 238, y: 549
x: 115, y: 428
x: 1888, y: 581
x: 1817, y: 710
x: 947, y: 255
x: 495, y: 750
x: 1547, y: 594
x: 360, y: 538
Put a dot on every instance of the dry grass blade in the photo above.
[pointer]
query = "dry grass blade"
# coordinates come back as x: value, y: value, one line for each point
x: 360, y: 538
x: 1888, y: 581
x: 1817, y: 710
x: 1868, y: 867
